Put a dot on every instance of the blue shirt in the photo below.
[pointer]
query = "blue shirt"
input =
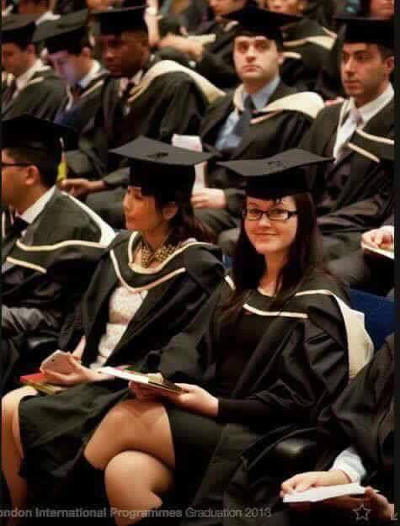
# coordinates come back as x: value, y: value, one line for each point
x: 226, y: 139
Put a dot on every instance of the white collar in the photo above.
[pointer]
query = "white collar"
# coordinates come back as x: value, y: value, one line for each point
x: 87, y: 79
x: 370, y: 109
x: 34, y: 210
x: 47, y: 16
x: 23, y: 79
x: 137, y: 77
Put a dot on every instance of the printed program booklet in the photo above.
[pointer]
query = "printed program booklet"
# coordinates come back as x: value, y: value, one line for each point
x: 153, y: 380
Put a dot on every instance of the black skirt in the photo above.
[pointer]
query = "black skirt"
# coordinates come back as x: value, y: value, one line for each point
x: 195, y: 438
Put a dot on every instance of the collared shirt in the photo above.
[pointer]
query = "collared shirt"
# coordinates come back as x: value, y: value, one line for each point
x: 365, y: 112
x: 369, y: 110
x: 34, y: 210
x: 87, y: 79
x: 350, y: 462
x: 23, y: 79
x: 48, y: 16
x: 260, y: 99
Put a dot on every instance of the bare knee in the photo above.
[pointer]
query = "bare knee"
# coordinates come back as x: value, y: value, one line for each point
x: 10, y: 403
x: 136, y: 482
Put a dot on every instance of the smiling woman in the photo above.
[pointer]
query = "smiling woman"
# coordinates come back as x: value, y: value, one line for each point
x: 260, y: 351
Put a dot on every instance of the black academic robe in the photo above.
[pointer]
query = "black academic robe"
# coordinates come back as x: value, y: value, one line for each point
x: 172, y: 103
x: 300, y: 366
x: 179, y: 295
x: 216, y: 63
x: 281, y: 131
x: 44, y: 274
x: 306, y: 48
x: 365, y: 198
x: 363, y: 417
x: 42, y: 97
x: 76, y: 113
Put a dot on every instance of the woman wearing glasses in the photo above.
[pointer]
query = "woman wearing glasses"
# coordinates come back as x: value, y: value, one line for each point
x: 277, y: 351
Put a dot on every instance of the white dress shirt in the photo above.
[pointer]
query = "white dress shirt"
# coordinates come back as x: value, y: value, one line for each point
x: 87, y: 79
x: 359, y: 118
x: 350, y: 462
x: 34, y: 210
x: 23, y: 79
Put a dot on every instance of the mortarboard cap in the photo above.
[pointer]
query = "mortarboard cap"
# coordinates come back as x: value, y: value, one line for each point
x: 18, y: 29
x: 156, y: 166
x: 115, y: 21
x: 368, y: 30
x: 373, y: 146
x: 30, y: 132
x: 64, y: 34
x: 276, y: 176
x: 257, y: 21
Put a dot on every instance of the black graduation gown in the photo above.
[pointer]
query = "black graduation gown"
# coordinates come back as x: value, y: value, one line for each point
x: 300, y: 365
x: 365, y: 199
x: 282, y: 131
x: 44, y: 275
x: 216, y: 63
x: 42, y: 97
x: 302, y: 70
x: 77, y: 113
x: 179, y: 295
x: 173, y: 103
x: 363, y: 417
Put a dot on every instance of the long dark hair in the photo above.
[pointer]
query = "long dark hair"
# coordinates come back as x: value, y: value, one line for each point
x: 184, y: 224
x: 305, y: 257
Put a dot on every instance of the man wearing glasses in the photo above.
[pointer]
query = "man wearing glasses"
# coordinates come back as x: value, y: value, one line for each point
x: 50, y: 246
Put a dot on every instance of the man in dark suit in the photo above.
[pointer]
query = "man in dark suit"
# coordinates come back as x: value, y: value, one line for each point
x: 355, y: 193
x: 50, y: 245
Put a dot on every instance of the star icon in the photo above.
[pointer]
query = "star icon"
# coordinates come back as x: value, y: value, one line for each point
x: 362, y: 513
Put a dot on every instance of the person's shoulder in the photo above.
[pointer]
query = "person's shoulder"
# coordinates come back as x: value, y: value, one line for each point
x: 81, y: 223
x: 321, y: 287
x: 203, y: 260
x: 331, y: 112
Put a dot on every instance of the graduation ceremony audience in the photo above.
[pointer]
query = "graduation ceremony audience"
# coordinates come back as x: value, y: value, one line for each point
x: 199, y: 193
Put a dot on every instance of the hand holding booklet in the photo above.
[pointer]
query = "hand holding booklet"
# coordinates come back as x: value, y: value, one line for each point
x: 324, y: 492
x: 151, y: 380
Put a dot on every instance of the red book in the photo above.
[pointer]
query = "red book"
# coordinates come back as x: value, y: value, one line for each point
x: 37, y: 380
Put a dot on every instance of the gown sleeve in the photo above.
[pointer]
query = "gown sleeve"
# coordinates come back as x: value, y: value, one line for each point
x: 311, y: 372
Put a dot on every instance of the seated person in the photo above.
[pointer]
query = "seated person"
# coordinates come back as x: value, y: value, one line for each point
x: 261, y: 117
x: 328, y: 83
x: 365, y: 268
x: 157, y: 280
x: 160, y: 99
x: 33, y: 88
x: 258, y: 356
x: 51, y: 244
x: 70, y: 52
x: 352, y: 179
x: 212, y: 44
x: 363, y: 420
x: 306, y: 45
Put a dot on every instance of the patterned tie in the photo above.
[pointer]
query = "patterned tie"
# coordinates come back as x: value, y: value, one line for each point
x: 243, y: 123
x: 345, y: 133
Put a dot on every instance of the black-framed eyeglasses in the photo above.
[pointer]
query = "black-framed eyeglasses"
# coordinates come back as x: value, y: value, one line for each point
x: 274, y: 214
x: 6, y: 165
